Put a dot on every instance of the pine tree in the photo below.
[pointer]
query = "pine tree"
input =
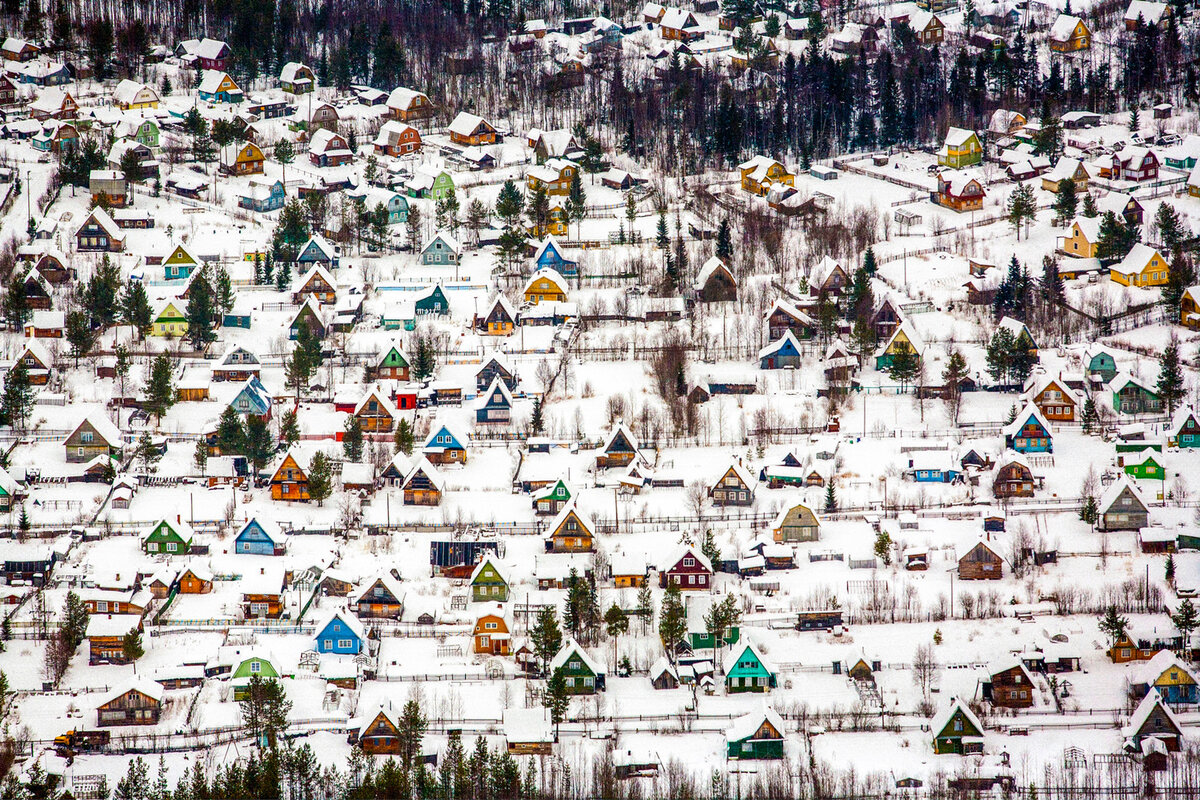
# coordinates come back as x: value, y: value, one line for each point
x: 1186, y: 620
x: 1113, y: 625
x: 201, y: 312
x: 869, y: 264
x: 135, y: 308
x: 831, y: 503
x: 1170, y: 376
x: 1052, y: 282
x: 556, y: 699
x: 424, y: 360
x: 905, y: 365
x: 1089, y: 206
x: 672, y: 621
x: 289, y: 428
x: 883, y: 548
x: 259, y: 445
x: 1090, y: 512
x: 160, y: 391
x: 404, y: 437
x: 1090, y: 417
x: 18, y: 397
x: 231, y: 437
x: 1065, y: 202
x: 546, y: 637
x: 724, y: 242
x: 320, y: 479
x: 16, y: 305
x: 709, y: 548
x: 999, y: 355
x: 1169, y: 570
x: 352, y: 439
x: 1172, y: 230
x: 1180, y: 277
x: 131, y: 646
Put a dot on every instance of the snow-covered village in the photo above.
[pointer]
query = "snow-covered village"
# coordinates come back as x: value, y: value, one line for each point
x: 548, y: 400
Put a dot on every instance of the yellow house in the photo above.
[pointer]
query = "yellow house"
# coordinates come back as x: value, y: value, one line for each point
x: 961, y: 149
x: 1143, y: 266
x: 761, y: 172
x: 245, y: 159
x: 904, y: 336
x: 546, y: 285
x: 1083, y: 238
x: 554, y: 176
x: 169, y: 322
x: 1189, y: 308
x: 131, y: 95
x: 1069, y: 34
x: 556, y: 224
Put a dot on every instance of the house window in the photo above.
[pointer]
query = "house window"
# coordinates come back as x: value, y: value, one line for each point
x: 255, y: 667
x: 345, y: 643
x: 329, y: 644
x: 689, y: 562
x: 172, y: 547
x: 574, y: 665
x: 86, y: 437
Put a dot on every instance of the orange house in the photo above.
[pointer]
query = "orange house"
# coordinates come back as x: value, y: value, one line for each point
x: 195, y: 580
x: 290, y: 479
x: 1055, y: 400
x: 471, y: 130
x: 491, y: 634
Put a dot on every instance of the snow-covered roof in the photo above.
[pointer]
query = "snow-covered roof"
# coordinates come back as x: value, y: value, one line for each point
x: 708, y: 268
x: 1114, y: 491
x: 1150, y: 702
x: 570, y: 646
x: 940, y: 720
x: 1150, y: 12
x: 747, y: 725
x: 402, y: 98
x: 137, y: 683
x: 465, y: 123
x: 1136, y: 259
x: 1063, y: 27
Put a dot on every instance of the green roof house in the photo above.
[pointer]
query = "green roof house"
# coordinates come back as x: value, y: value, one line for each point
x: 750, y: 672
x: 443, y: 185
x: 173, y: 537
x: 552, y: 498
x: 487, y: 584
x: 584, y: 675
x: 956, y: 730
x: 254, y: 663
x: 754, y: 736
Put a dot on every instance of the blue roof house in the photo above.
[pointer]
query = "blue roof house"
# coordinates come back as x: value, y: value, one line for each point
x: 318, y: 250
x: 253, y: 399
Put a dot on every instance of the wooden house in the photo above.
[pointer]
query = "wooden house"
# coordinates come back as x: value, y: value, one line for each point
x: 1184, y: 430
x: 1141, y: 266
x: 545, y: 285
x: 689, y: 569
x: 316, y: 283
x: 1168, y: 676
x: 218, y: 87
x: 397, y: 139
x: 237, y: 364
x: 289, y: 479
x: 1054, y: 399
x: 1029, y: 432
x: 106, y: 634
x: 296, y: 78
x: 495, y: 367
x: 244, y: 159
x: 904, y: 337
x: 554, y: 176
x: 495, y: 404
x: 749, y: 671
x: 760, y: 173
x: 755, y: 736
x: 796, y: 523
x: 959, y: 191
x: 487, y: 582
x: 1153, y: 719
x: 981, y: 563
x: 1069, y: 34
x: 715, y: 282
x: 571, y: 531
x: 782, y: 353
x: 327, y: 148
x: 99, y: 233
x: 491, y: 634
x: 528, y: 731
x: 471, y: 130
x: 260, y: 536
x: 441, y: 250
x: 195, y: 579
x: 444, y: 447
x: 961, y: 148
x: 309, y: 316
x: 391, y: 364
x: 37, y: 362
x: 378, y: 598
x: 1122, y: 507
x: 173, y: 537
x: 620, y: 448
x: 135, y: 702
x: 263, y: 592
x: 340, y: 633
x: 1013, y: 477
x: 409, y: 105
x: 380, y: 735
x: 735, y: 487
x: 552, y: 498
x: 423, y: 485
x: 375, y: 412
x: 956, y: 730
x: 784, y: 317
x: 583, y: 673
x: 1131, y: 396
x: 1009, y: 685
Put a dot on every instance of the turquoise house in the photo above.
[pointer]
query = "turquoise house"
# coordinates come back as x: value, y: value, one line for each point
x: 1185, y: 429
x: 317, y: 250
x: 1100, y: 362
x: 750, y: 672
x: 1029, y: 433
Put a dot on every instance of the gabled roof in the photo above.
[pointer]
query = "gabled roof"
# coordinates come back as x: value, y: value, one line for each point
x: 402, y: 98
x: 431, y: 442
x: 484, y: 562
x: 779, y: 344
x: 758, y: 656
x: 742, y: 472
x: 102, y: 219
x: 212, y: 80
x: 712, y: 265
x: 427, y: 469
x: 747, y: 725
x: 316, y: 271
x: 620, y: 429
x: 567, y: 510
x: 138, y: 683
x: 291, y: 72
x: 496, y: 385
x: 389, y: 583
x: 103, y: 427
x: 571, y: 646
x: 792, y: 311
x: 1151, y: 702
x: 1029, y: 411
x: 349, y: 620
x: 322, y: 244
x: 1147, y: 672
x: 447, y: 240
x: 1115, y: 489
x: 1064, y: 27
x: 465, y: 124
x: 270, y: 529
x: 683, y: 551
x: 327, y: 141
x: 955, y: 137
x: 943, y: 717
x: 387, y: 349
x: 1136, y: 259
x: 233, y: 350
x: 552, y: 275
x: 1181, y: 416
x: 910, y: 333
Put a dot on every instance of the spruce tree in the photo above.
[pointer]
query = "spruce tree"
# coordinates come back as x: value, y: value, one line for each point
x: 320, y: 478
x: 352, y: 439
x: 160, y: 391
x: 1170, y: 376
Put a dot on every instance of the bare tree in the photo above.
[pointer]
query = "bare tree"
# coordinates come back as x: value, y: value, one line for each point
x: 697, y: 496
x: 924, y: 670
